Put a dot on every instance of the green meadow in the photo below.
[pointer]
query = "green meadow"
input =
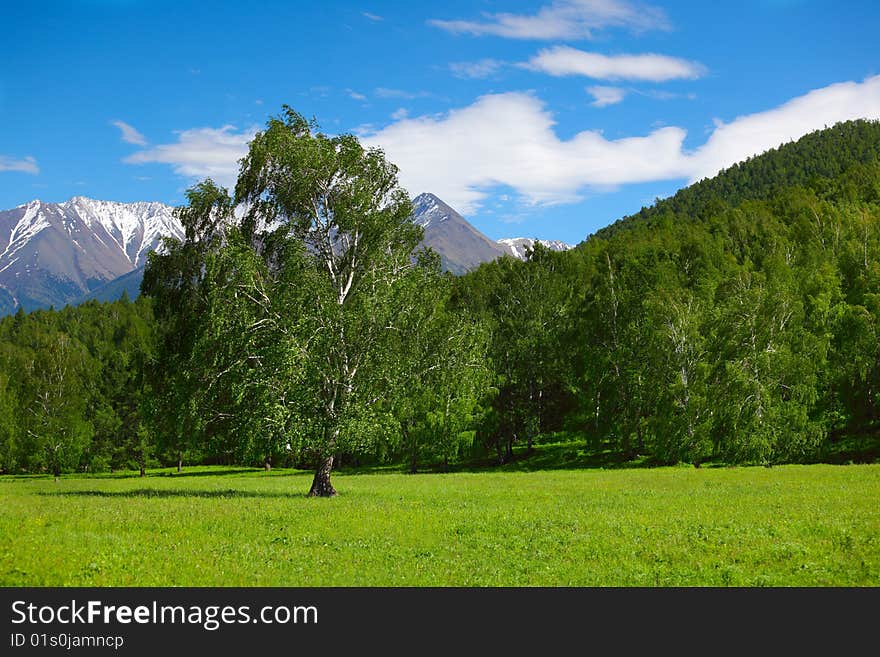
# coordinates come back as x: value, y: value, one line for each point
x: 794, y: 525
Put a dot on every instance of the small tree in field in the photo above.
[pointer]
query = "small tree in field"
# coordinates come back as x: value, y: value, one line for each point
x: 56, y: 432
x: 301, y: 331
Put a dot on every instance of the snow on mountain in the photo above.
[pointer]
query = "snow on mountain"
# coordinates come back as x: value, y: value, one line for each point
x: 135, y: 228
x: 461, y: 246
x: 52, y: 253
x: 430, y: 211
x: 519, y: 246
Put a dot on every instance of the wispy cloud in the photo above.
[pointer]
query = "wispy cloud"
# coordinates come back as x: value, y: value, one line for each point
x: 660, y: 94
x: 563, y: 19
x: 475, y: 70
x: 509, y: 140
x: 562, y: 61
x: 25, y: 165
x: 355, y: 95
x: 605, y: 96
x: 373, y: 17
x: 400, y: 113
x: 201, y: 153
x: 385, y: 92
x: 129, y: 134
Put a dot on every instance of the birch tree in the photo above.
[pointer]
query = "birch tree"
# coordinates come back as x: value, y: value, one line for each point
x: 302, y: 326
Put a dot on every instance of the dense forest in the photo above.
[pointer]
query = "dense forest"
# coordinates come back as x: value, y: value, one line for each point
x: 735, y: 322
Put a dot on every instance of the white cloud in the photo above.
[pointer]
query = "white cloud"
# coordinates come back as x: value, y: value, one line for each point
x: 129, y: 134
x: 354, y: 95
x: 563, y: 19
x: 26, y: 165
x: 373, y: 17
x: 563, y: 60
x: 509, y: 140
x: 755, y: 133
x: 605, y: 96
x: 201, y: 153
x: 475, y: 70
x: 400, y: 113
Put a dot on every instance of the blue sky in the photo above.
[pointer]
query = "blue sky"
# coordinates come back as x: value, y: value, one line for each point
x: 538, y: 118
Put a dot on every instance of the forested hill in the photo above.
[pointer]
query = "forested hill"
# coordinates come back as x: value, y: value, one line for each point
x: 837, y: 163
x: 738, y: 321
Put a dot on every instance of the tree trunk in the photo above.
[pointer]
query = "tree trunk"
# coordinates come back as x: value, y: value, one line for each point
x: 321, y: 486
x: 267, y: 464
x: 179, y: 462
x: 143, y: 471
x: 413, y: 451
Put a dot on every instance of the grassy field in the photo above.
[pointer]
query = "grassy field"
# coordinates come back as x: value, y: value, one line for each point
x: 815, y: 525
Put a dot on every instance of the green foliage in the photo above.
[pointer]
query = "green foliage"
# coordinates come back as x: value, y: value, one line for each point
x: 9, y: 418
x: 70, y: 386
x: 525, y: 306
x: 442, y: 392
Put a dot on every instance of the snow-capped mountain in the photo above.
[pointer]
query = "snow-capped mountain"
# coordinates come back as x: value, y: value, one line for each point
x: 428, y: 210
x: 519, y: 246
x: 59, y: 253
x: 52, y: 253
x: 461, y: 246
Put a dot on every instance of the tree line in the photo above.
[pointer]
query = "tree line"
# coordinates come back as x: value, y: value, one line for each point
x: 735, y: 322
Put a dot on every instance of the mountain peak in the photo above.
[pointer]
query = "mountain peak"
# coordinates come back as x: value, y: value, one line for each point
x: 461, y: 246
x: 426, y: 198
x: 429, y: 209
x: 56, y: 252
x: 519, y: 247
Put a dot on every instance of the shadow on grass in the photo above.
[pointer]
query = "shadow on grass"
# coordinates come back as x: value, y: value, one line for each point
x: 206, y: 473
x: 173, y: 492
x: 573, y: 455
x: 551, y: 456
x: 134, y: 474
x: 555, y: 456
